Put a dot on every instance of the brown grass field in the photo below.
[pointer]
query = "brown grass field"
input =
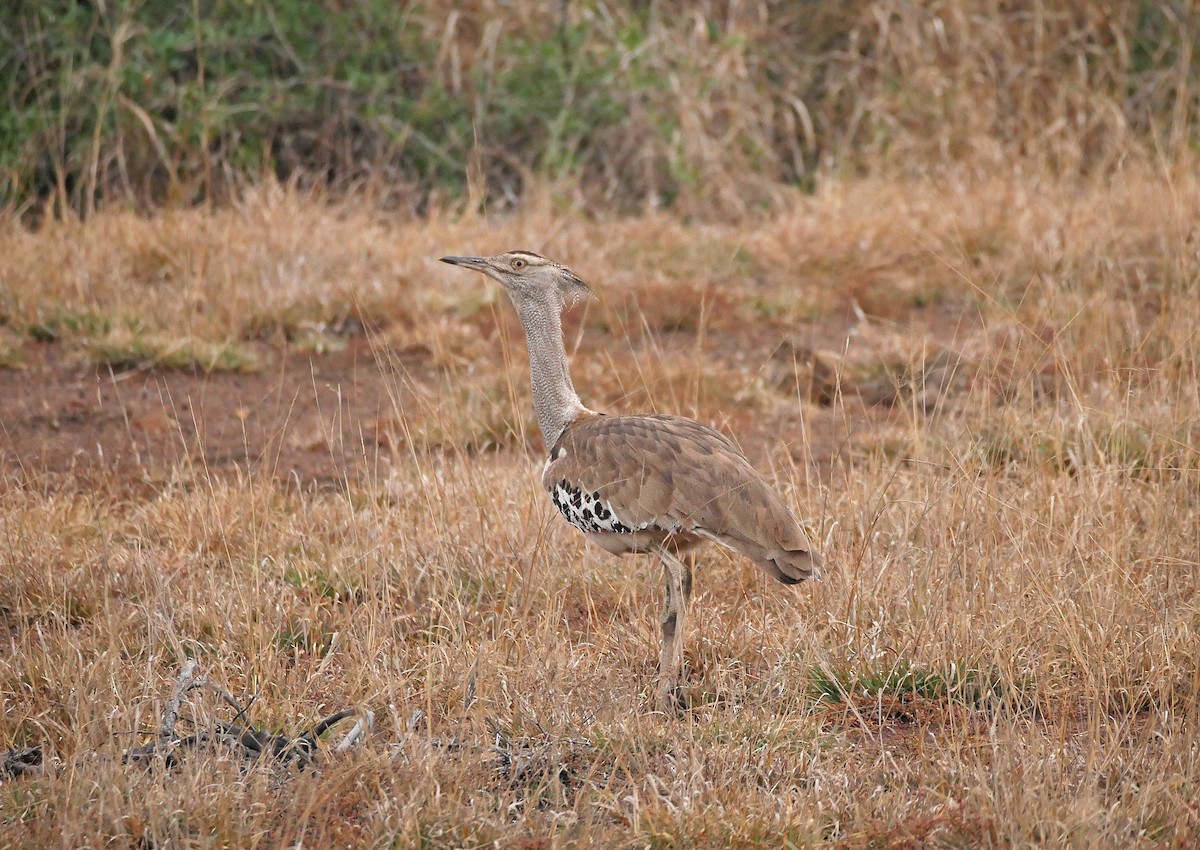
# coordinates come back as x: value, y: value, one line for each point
x: 280, y: 438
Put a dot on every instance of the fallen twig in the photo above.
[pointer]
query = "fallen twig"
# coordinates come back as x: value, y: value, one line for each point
x: 238, y: 737
x: 183, y: 684
x: 228, y: 699
x: 20, y: 762
x: 358, y: 732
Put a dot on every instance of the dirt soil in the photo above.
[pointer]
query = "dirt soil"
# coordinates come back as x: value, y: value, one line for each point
x: 295, y: 418
x: 318, y: 420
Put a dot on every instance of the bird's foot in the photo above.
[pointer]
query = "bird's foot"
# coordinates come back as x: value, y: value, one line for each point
x: 675, y: 698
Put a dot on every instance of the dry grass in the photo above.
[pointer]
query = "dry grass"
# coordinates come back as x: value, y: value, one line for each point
x: 1005, y: 652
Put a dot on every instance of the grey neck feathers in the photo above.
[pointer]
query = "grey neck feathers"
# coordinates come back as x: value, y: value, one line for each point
x: 554, y: 398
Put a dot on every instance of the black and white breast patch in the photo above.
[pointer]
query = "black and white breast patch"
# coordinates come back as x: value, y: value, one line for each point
x: 586, y: 511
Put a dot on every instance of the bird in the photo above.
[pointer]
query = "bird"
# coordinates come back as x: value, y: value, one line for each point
x: 641, y: 483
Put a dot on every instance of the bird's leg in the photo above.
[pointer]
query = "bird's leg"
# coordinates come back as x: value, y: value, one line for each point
x: 670, y: 659
x: 689, y: 564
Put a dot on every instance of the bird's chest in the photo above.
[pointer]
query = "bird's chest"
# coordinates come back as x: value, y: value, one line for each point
x: 585, y: 510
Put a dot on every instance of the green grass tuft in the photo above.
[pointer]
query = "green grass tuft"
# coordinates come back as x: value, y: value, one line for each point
x: 123, y: 350
x: 966, y: 685
x: 12, y: 353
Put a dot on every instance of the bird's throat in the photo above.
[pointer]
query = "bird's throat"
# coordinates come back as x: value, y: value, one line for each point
x: 555, y: 401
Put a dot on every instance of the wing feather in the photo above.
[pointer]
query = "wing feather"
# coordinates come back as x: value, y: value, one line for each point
x: 679, y: 475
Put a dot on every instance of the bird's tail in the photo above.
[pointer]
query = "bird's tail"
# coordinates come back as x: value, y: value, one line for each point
x: 791, y: 567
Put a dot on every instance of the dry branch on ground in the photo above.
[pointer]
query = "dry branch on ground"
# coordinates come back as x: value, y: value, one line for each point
x: 241, y: 740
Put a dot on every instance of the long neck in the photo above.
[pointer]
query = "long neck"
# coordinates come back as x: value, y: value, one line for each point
x: 554, y: 398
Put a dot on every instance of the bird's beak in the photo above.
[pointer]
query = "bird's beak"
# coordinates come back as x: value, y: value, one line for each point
x: 477, y: 263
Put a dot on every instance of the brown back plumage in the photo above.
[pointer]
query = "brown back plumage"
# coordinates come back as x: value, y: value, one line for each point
x: 674, y: 476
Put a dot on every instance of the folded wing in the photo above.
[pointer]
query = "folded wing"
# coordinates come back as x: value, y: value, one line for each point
x: 679, y: 476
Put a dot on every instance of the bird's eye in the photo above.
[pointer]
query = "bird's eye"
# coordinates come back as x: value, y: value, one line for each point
x: 519, y: 264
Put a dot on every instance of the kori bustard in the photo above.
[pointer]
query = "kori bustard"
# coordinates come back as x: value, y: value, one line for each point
x: 651, y: 484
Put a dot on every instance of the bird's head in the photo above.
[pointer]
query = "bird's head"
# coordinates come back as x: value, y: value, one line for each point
x: 529, y: 278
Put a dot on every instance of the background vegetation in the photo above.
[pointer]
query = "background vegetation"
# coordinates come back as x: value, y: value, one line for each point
x: 705, y: 107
